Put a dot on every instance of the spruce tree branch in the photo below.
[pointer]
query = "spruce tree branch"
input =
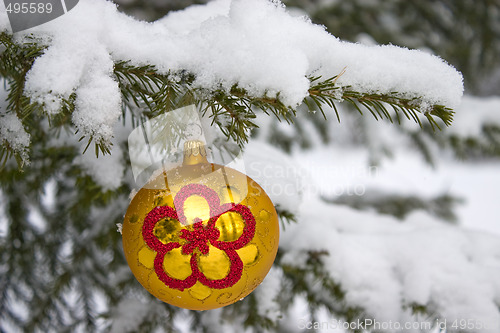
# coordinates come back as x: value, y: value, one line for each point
x: 233, y: 111
x: 328, y: 92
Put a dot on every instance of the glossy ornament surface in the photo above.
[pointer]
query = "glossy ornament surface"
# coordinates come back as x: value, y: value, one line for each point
x: 200, y: 236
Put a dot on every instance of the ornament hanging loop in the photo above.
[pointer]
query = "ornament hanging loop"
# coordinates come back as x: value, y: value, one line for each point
x: 194, y: 152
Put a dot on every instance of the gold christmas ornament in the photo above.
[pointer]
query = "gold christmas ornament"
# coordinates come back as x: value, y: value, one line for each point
x: 202, y: 235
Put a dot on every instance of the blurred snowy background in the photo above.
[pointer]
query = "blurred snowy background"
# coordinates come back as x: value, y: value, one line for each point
x: 403, y: 222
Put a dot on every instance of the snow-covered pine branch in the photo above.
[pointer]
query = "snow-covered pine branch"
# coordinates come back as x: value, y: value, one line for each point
x: 229, y: 55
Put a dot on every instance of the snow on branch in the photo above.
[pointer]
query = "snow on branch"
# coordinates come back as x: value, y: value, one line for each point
x: 230, y: 55
x: 394, y: 271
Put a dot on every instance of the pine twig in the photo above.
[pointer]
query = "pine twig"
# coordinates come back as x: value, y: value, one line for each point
x: 233, y: 110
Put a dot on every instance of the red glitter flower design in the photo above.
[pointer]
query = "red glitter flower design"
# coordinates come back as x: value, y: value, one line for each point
x: 198, y: 238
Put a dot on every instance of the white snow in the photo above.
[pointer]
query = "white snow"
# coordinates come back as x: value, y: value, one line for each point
x: 98, y: 106
x: 107, y: 170
x: 257, y: 44
x: 129, y: 314
x: 4, y: 20
x: 12, y: 130
x: 385, y: 265
x: 267, y: 292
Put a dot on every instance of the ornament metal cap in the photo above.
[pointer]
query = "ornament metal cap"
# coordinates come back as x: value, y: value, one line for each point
x: 194, y: 152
